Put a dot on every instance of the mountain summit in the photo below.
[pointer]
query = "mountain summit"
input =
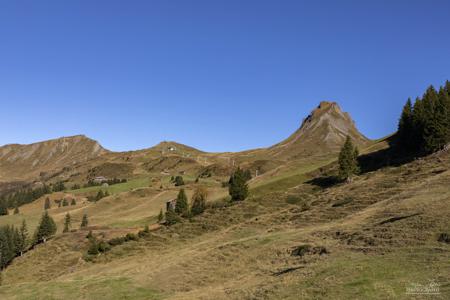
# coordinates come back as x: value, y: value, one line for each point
x: 17, y: 160
x: 323, y: 131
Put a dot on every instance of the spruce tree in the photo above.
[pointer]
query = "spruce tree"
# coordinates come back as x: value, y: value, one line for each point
x: 237, y: 185
x: 99, y: 196
x: 172, y: 217
x: 46, y: 228
x: 182, y: 207
x: 23, y: 237
x: 3, y: 208
x: 47, y: 203
x: 199, y: 201
x: 84, y: 221
x: 65, y: 202
x: 93, y: 246
x: 406, y: 127
x: 16, y: 209
x: 348, y: 163
x: 179, y: 181
x: 434, y: 130
x: 160, y: 216
x: 67, y: 223
x: 73, y: 202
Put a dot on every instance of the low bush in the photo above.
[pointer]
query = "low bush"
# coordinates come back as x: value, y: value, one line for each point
x: 444, y: 238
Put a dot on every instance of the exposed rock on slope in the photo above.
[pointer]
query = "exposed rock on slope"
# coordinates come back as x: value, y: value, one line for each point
x: 27, y: 161
x: 322, y: 132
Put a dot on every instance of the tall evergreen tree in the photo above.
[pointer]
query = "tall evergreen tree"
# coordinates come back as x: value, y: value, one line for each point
x: 348, y: 163
x: 199, y: 201
x: 405, y: 127
x: 182, y: 207
x: 46, y: 228
x: 23, y: 242
x: 3, y: 208
x: 47, y: 203
x: 237, y: 185
x: 84, y: 221
x: 99, y: 196
x: 16, y: 209
x: 7, y: 245
x: 172, y: 217
x: 67, y: 223
x: 160, y: 216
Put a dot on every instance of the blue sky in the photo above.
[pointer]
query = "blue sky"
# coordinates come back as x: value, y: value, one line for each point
x: 216, y: 75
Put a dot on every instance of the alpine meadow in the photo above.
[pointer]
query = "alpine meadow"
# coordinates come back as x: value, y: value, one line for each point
x: 235, y: 208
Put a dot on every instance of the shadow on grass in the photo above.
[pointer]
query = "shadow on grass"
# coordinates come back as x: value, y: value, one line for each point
x: 389, y: 157
x: 324, y: 181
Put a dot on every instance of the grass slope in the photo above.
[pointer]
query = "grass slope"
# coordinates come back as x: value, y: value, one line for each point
x: 380, y: 235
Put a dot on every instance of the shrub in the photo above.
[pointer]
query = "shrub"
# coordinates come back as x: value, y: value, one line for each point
x: 342, y: 202
x: 131, y: 237
x: 444, y: 238
x: 179, y: 181
x: 301, y: 250
x: 293, y: 199
x: 116, y: 241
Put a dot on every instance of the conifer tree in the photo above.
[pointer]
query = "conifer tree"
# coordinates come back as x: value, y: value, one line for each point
x: 46, y: 228
x: 93, y: 246
x: 100, y: 195
x: 59, y: 187
x: 199, y: 201
x: 160, y: 216
x: 16, y: 209
x: 84, y: 221
x: 73, y: 202
x: 3, y: 208
x: 179, y: 181
x: 47, y: 203
x: 23, y: 241
x: 67, y: 224
x: 182, y: 207
x: 238, y: 188
x: 172, y: 217
x: 348, y: 163
x: 406, y: 127
x: 65, y: 202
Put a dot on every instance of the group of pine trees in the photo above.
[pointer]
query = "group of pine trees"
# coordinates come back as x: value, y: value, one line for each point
x: 424, y: 126
x: 13, y: 242
x: 182, y: 208
x: 21, y: 197
x: 28, y: 195
x: 100, y: 195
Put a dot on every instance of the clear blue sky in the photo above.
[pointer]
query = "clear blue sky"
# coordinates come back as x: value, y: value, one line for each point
x: 216, y: 75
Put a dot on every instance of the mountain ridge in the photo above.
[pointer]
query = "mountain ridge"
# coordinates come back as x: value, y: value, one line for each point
x: 321, y: 133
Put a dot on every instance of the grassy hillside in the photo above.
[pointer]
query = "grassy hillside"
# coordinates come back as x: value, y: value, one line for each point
x: 369, y: 239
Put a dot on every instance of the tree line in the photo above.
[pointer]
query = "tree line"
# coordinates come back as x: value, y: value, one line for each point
x: 14, y: 241
x: 28, y: 195
x: 424, y: 126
